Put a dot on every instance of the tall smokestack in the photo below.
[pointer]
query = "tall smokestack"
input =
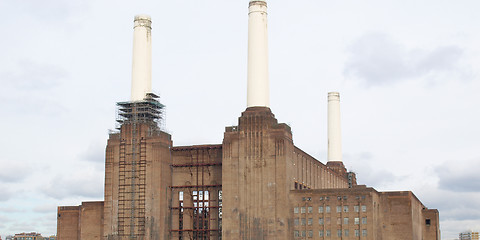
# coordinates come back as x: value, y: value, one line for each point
x: 334, y: 132
x: 258, y: 94
x: 142, y: 57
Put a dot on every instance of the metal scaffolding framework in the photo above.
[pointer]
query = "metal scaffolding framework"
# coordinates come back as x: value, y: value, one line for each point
x: 199, y: 205
x: 149, y: 110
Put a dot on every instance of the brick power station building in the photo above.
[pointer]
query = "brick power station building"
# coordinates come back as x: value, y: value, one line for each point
x: 256, y: 184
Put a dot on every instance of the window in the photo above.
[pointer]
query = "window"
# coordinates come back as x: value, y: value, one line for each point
x: 327, y: 233
x: 304, y: 221
x: 357, y: 233
x: 346, y: 232
x: 321, y: 198
x: 363, y: 197
x: 302, y: 209
x: 310, y: 233
x: 339, y: 232
x: 357, y: 221
x: 364, y: 208
x: 327, y: 209
x: 345, y: 198
x: 364, y: 232
x: 364, y: 220
x: 339, y: 221
x: 427, y: 222
x: 345, y: 221
x: 295, y: 210
x: 310, y: 221
x: 339, y: 208
x: 303, y: 234
x: 339, y: 198
x: 320, y: 233
x: 310, y: 209
x: 345, y: 208
x: 295, y: 221
x: 320, y: 221
x: 327, y: 198
x: 320, y: 209
x: 296, y: 234
x: 356, y: 208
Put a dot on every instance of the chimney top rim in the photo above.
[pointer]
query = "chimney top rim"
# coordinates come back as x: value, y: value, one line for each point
x: 143, y: 17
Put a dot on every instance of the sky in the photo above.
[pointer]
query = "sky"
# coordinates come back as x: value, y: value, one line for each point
x: 408, y: 73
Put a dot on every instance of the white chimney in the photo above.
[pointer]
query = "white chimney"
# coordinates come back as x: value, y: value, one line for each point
x: 142, y: 57
x: 334, y: 132
x: 258, y: 94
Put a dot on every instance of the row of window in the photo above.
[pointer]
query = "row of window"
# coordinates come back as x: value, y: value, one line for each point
x: 339, y: 198
x: 327, y: 209
x: 327, y: 233
x: 327, y: 221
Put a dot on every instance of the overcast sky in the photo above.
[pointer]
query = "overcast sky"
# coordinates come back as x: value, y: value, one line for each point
x: 408, y: 73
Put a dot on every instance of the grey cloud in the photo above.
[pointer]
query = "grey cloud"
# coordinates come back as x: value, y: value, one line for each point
x: 94, y: 153
x: 5, y: 195
x: 11, y: 210
x: 12, y: 172
x: 459, y: 176
x: 31, y: 106
x: 452, y: 205
x: 377, y: 59
x: 86, y: 184
x: 30, y: 76
x: 366, y: 172
x: 45, y: 208
x: 52, y: 11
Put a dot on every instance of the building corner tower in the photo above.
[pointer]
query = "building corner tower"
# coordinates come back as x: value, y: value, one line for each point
x: 137, y: 164
x: 255, y: 153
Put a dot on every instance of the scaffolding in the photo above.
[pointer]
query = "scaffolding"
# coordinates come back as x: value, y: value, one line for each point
x: 149, y: 110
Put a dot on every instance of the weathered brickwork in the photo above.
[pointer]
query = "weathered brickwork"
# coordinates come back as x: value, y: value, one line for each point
x: 255, y: 185
x: 361, y: 213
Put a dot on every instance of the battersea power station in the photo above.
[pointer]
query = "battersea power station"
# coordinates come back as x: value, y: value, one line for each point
x: 256, y: 184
